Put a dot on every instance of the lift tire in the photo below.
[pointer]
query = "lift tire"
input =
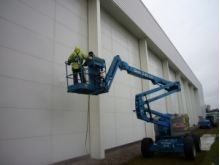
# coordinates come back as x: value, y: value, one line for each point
x: 197, y: 142
x: 189, y: 148
x: 145, y: 147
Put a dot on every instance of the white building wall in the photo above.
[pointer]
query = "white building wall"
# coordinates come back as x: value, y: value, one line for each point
x: 199, y: 109
x: 120, y: 124
x: 155, y: 68
x: 174, y: 97
x: 183, y: 93
x: 39, y: 122
x: 192, y: 104
x: 195, y: 115
x: 186, y: 97
x: 195, y: 110
x: 189, y: 104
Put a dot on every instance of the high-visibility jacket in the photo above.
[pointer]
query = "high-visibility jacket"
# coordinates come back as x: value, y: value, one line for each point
x: 76, y: 59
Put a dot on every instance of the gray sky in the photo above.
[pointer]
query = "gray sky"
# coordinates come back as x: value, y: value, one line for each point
x: 192, y: 26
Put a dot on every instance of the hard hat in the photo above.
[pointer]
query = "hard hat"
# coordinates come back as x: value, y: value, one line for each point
x: 77, y: 49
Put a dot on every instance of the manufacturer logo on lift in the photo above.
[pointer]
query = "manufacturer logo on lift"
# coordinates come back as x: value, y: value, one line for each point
x: 178, y: 125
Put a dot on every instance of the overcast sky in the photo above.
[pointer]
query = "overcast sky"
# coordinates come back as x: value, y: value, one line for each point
x: 192, y: 26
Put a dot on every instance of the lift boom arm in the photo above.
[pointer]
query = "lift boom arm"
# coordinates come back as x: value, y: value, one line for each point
x: 143, y: 110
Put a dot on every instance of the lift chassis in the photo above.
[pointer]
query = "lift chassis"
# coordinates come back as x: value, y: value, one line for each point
x: 172, y: 130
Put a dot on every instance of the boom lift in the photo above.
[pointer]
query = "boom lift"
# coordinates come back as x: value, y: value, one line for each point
x: 172, y: 130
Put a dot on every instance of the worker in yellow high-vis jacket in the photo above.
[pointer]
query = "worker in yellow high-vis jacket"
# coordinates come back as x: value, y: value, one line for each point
x: 76, y: 60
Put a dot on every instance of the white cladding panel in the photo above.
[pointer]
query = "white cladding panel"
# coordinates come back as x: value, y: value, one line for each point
x: 193, y: 112
x: 174, y: 97
x: 197, y: 109
x: 37, y: 116
x: 155, y: 68
x: 194, y: 108
x: 184, y: 101
x: 120, y: 125
x: 189, y: 103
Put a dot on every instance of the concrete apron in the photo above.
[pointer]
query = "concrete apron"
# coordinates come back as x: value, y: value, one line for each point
x: 206, y: 141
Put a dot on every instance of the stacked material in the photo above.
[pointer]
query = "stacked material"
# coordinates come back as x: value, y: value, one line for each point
x: 206, y: 141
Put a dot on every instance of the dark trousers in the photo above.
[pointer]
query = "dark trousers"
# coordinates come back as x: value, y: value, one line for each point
x: 79, y: 72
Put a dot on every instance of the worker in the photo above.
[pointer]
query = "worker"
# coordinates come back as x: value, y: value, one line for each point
x: 76, y: 59
x: 90, y: 56
x: 101, y: 75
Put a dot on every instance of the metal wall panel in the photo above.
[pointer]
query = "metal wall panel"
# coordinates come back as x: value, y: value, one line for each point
x: 38, y: 117
x: 189, y: 103
x: 120, y: 124
x: 174, y: 97
x: 155, y: 68
x: 194, y: 106
x: 184, y: 102
x: 198, y: 110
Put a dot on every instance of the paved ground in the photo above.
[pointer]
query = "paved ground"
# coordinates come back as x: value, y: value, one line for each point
x: 115, y: 156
